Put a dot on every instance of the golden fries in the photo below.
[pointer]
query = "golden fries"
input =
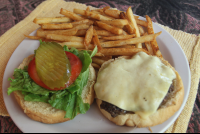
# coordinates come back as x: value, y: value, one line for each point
x: 64, y: 38
x: 71, y: 15
x: 110, y: 28
x: 91, y: 14
x: 153, y: 42
x: 120, y: 37
x: 130, y: 41
x: 98, y: 60
x: 33, y: 37
x: 121, y: 51
x: 57, y: 26
x: 43, y: 33
x: 141, y: 22
x: 88, y: 37
x: 52, y: 20
x: 115, y: 33
x: 112, y: 13
x: 81, y: 26
x: 148, y: 46
x: 78, y: 45
x: 141, y: 30
x: 96, y: 41
x: 128, y: 27
x: 96, y: 66
x: 116, y: 22
x: 81, y: 32
x: 104, y: 33
x: 85, y: 21
x: 133, y: 23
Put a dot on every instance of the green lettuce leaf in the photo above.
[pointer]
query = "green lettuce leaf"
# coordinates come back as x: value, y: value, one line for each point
x: 68, y: 99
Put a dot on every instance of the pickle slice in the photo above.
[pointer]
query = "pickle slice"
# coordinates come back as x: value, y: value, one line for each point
x: 52, y: 65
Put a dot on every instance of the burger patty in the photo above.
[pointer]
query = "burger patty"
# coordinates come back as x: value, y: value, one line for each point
x: 115, y: 111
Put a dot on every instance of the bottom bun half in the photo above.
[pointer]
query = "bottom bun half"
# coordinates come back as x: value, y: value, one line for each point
x: 169, y: 106
x: 44, y: 112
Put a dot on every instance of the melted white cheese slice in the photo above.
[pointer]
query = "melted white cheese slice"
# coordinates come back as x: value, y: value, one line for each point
x: 138, y: 84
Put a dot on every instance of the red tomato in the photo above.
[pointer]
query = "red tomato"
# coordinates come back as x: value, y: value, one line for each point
x: 76, y: 67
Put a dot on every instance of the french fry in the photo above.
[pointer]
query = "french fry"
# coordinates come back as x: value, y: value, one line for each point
x: 81, y: 32
x: 88, y: 37
x: 128, y: 27
x: 91, y: 14
x: 104, y: 33
x: 102, y: 13
x: 64, y: 38
x: 124, y: 33
x: 97, y: 54
x: 43, y: 33
x: 115, y: 33
x: 87, y: 9
x: 141, y: 30
x: 141, y: 22
x: 136, y: 17
x: 96, y: 66
x: 121, y: 51
x: 51, y: 20
x: 148, y: 46
x: 57, y: 26
x: 81, y: 26
x: 102, y: 9
x: 110, y: 28
x: 102, y: 40
x: 98, y: 60
x: 106, y: 8
x: 133, y: 23
x: 85, y: 21
x: 120, y: 37
x: 106, y: 58
x: 98, y: 10
x: 97, y: 28
x: 112, y: 13
x: 137, y: 40
x: 154, y: 44
x: 33, y: 37
x: 116, y: 22
x: 96, y: 40
x: 71, y: 15
x: 127, y: 46
x: 77, y: 45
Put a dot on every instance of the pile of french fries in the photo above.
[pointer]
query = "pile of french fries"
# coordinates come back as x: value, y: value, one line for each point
x: 114, y: 32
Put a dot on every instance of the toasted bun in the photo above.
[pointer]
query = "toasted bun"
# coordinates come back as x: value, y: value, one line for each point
x: 165, y: 111
x: 44, y: 112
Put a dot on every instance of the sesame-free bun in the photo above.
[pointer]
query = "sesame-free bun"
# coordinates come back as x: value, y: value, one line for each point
x: 43, y: 112
x: 168, y: 107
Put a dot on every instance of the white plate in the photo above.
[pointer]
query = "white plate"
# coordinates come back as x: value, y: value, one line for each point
x: 93, y: 120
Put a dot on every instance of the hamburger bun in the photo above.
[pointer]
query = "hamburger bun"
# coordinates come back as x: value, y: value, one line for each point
x: 169, y: 106
x: 43, y: 112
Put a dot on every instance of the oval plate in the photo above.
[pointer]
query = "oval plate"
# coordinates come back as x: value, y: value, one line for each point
x: 93, y: 120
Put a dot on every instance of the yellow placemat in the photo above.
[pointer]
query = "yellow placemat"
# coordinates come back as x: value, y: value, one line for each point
x: 50, y: 8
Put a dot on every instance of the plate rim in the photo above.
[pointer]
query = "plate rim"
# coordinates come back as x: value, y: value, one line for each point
x: 167, y: 126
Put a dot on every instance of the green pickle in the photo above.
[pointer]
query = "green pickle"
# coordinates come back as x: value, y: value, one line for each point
x: 52, y: 65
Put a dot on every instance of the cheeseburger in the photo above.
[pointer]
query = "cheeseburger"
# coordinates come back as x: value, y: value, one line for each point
x: 139, y: 91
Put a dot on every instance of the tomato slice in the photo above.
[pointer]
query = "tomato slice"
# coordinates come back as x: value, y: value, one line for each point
x: 76, y: 67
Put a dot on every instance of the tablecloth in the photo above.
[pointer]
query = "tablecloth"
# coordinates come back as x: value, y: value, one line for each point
x: 178, y: 15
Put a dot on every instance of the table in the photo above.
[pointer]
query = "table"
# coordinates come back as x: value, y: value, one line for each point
x: 180, y: 15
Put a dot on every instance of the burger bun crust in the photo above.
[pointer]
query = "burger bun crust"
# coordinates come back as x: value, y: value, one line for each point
x: 44, y: 112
